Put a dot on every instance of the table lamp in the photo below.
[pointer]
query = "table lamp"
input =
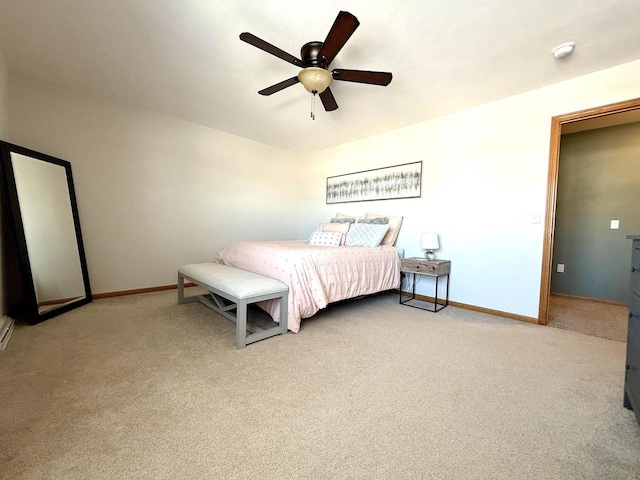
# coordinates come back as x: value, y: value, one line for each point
x: 429, y: 243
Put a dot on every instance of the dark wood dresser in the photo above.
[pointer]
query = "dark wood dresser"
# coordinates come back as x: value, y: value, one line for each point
x: 632, y: 374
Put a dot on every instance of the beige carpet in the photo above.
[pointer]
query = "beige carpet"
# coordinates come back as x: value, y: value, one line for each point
x: 139, y: 387
x: 589, y: 317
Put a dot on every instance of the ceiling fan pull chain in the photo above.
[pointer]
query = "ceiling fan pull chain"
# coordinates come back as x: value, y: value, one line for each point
x: 313, y: 106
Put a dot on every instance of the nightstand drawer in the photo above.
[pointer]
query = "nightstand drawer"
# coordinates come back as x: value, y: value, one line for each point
x: 426, y: 267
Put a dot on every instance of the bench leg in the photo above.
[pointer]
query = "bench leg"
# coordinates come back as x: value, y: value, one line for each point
x: 284, y: 316
x: 241, y: 324
x: 214, y: 301
x: 180, y: 289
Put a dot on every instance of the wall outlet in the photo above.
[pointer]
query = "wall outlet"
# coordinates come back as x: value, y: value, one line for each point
x: 560, y: 268
x: 615, y: 224
x: 6, y: 329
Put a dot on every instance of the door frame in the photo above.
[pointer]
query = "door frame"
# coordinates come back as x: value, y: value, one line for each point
x: 552, y: 189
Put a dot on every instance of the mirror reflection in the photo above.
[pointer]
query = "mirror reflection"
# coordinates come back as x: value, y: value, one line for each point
x: 45, y: 206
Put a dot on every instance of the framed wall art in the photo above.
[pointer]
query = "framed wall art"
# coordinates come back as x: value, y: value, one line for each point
x: 399, y: 181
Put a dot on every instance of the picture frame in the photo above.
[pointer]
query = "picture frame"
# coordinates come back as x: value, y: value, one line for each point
x: 386, y: 183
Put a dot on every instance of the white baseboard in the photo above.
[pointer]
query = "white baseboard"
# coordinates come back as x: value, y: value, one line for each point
x: 6, y: 329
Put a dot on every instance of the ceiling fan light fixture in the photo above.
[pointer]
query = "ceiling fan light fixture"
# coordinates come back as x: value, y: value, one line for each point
x: 315, y: 79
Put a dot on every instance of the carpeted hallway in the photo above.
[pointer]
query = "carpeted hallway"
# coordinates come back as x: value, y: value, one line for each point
x: 139, y: 387
x: 589, y: 317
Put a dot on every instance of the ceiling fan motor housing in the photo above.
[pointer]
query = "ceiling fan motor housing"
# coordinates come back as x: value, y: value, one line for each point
x: 309, y: 54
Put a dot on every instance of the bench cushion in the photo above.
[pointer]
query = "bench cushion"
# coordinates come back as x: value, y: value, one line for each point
x: 239, y: 283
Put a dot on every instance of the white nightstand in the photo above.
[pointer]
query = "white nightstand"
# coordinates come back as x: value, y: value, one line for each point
x: 416, y: 267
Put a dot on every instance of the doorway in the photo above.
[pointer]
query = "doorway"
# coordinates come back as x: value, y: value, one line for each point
x: 607, y: 115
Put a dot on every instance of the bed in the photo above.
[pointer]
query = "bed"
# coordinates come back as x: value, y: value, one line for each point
x: 319, y: 274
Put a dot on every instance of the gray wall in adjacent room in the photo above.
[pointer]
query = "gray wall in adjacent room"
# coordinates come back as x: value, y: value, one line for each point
x: 599, y: 181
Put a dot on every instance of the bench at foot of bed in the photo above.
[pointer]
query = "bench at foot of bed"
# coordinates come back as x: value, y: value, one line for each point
x: 240, y: 287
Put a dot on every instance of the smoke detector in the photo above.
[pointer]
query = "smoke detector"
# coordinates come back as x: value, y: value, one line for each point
x: 563, y: 49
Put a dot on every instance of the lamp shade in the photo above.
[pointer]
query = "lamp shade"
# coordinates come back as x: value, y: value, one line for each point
x: 429, y: 241
x: 315, y: 79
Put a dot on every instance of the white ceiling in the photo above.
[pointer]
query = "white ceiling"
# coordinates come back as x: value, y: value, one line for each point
x: 183, y: 57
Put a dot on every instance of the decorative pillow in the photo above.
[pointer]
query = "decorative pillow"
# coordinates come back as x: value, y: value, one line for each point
x: 366, y: 235
x: 394, y: 228
x: 341, y: 228
x: 342, y: 215
x: 326, y: 239
x: 317, y: 229
x: 343, y: 220
x: 376, y: 221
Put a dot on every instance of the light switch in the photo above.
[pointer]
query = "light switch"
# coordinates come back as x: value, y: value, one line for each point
x: 615, y: 224
x: 560, y: 268
x: 535, y: 217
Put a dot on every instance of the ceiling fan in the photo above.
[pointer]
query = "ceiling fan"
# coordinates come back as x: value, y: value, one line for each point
x: 315, y: 60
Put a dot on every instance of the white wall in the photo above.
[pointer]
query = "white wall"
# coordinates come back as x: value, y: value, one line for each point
x: 154, y: 192
x: 484, y: 174
x: 4, y: 134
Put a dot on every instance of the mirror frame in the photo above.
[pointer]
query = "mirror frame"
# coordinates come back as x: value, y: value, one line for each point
x: 28, y: 308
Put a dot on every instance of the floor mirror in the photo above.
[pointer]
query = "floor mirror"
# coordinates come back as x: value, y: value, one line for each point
x: 49, y: 244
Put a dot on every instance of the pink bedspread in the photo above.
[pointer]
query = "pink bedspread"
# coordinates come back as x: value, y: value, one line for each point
x: 315, y: 275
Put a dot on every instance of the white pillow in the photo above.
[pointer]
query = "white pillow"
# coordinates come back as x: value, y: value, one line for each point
x: 341, y: 228
x: 365, y: 234
x: 317, y: 229
x: 326, y: 239
x: 394, y: 228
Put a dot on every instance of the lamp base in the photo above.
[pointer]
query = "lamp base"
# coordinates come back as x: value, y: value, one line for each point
x: 429, y: 255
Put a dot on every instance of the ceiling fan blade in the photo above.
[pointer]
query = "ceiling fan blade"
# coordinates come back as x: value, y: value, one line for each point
x: 362, y: 76
x: 267, y: 47
x: 279, y: 86
x: 328, y: 101
x: 342, y: 29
